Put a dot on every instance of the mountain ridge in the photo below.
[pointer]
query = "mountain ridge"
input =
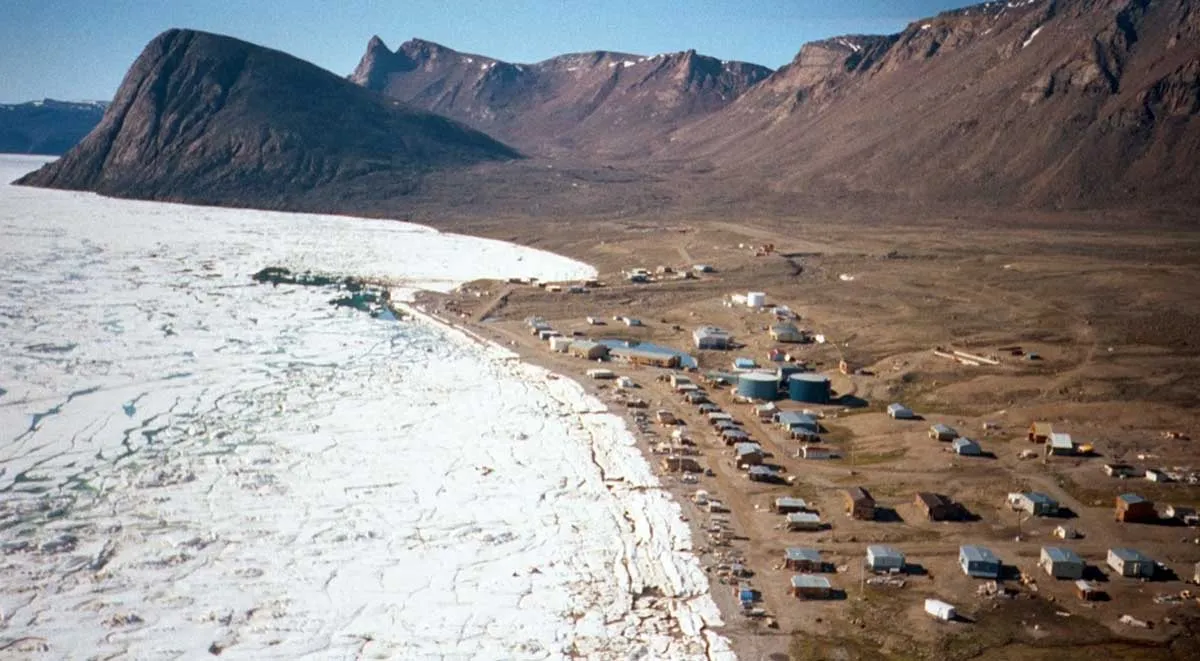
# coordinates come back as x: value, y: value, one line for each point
x: 205, y: 117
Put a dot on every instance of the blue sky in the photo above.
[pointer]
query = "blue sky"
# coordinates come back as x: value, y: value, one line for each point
x: 80, y: 49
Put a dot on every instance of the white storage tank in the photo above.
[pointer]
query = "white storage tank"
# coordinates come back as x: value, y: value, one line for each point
x: 756, y: 299
x: 940, y: 609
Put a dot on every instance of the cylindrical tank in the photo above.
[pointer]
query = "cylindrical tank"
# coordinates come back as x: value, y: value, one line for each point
x: 785, y: 371
x: 756, y: 299
x: 809, y: 387
x: 758, y: 385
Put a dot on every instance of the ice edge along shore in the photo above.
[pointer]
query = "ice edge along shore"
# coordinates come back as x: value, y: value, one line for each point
x: 666, y: 610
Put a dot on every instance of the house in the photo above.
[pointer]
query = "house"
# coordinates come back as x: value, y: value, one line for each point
x: 1066, y: 532
x: 1156, y: 475
x: 899, y: 412
x: 790, y: 420
x: 764, y: 474
x: 1061, y: 562
x: 677, y: 464
x: 804, y: 435
x: 636, y: 356
x: 808, y: 586
x: 734, y: 436
x: 1122, y: 470
x: 695, y: 397
x: 805, y: 521
x: 936, y: 507
x: 1088, y: 591
x: 601, y: 374
x: 1130, y: 563
x: 940, y: 432
x: 1061, y: 444
x: 708, y: 407
x: 1132, y: 508
x: 560, y: 344
x: 718, y: 416
x: 748, y: 454
x: 1185, y: 515
x: 711, y: 337
x: 665, y: 417
x: 859, y: 504
x: 588, y: 350
x: 786, y: 332
x: 815, y: 452
x: 1039, y: 432
x: 966, y: 447
x: 1037, y: 504
x: 798, y: 559
x: 978, y: 562
x: 787, y: 505
x: 940, y: 609
x: 744, y: 364
x: 679, y: 380
x: 882, y: 558
x: 766, y: 411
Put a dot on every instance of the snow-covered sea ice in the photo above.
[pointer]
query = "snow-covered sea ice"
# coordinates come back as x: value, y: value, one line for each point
x: 192, y: 463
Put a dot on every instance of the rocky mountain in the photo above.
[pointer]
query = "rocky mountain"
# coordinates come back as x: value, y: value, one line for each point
x: 211, y: 119
x: 1050, y: 103
x: 46, y: 126
x: 600, y: 103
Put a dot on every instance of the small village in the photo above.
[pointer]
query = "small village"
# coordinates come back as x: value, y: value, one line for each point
x: 758, y: 435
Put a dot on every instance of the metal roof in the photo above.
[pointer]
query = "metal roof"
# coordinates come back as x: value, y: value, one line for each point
x: 795, y: 419
x: 811, y: 555
x: 787, y: 501
x: 803, y: 517
x: 977, y: 554
x: 1063, y: 441
x: 734, y: 433
x: 810, y: 581
x: 1039, y: 498
x: 881, y: 551
x: 1129, y: 555
x: 944, y: 429
x: 1131, y: 498
x: 965, y: 443
x: 762, y: 470
x: 747, y: 448
x: 858, y: 493
x: 897, y: 407
x: 743, y: 362
x: 1060, y: 554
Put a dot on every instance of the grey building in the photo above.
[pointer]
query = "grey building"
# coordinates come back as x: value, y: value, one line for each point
x: 882, y: 558
x: 978, y: 562
x: 1131, y: 563
x: 1061, y: 562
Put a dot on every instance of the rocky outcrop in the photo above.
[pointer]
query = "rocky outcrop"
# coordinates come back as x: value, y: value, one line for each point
x: 206, y: 118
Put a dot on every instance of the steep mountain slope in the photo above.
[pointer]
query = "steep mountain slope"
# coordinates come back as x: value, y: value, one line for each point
x: 207, y: 118
x: 47, y: 126
x: 596, y: 103
x: 1041, y: 102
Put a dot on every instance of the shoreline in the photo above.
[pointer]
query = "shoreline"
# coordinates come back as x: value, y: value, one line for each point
x: 746, y: 641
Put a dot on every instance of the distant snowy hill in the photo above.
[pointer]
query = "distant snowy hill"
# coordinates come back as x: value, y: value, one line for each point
x: 47, y: 126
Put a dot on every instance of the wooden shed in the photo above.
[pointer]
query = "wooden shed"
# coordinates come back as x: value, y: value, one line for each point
x: 859, y: 504
x: 1132, y: 508
x: 1039, y: 432
x: 808, y: 586
x: 936, y: 507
